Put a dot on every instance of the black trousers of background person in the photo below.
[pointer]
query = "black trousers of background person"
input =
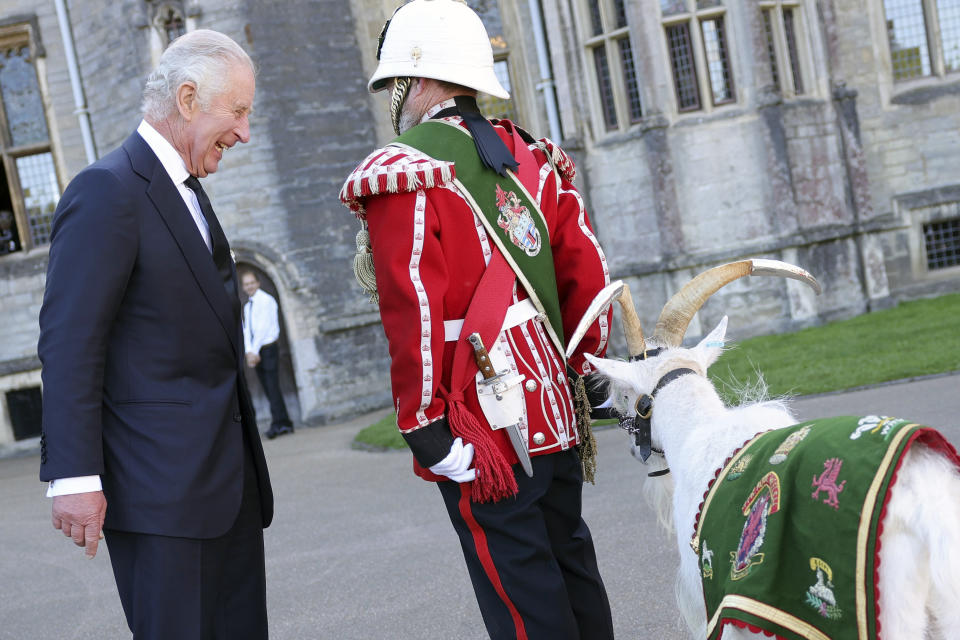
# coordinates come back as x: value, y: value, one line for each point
x: 268, y: 372
x: 531, y: 558
x: 192, y: 589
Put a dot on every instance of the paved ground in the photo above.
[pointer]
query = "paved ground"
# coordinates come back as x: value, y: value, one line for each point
x: 361, y: 549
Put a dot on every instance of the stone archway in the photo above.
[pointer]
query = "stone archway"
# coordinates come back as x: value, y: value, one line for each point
x: 288, y: 382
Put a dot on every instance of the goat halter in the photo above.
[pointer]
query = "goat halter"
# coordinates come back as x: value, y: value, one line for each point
x: 638, y: 424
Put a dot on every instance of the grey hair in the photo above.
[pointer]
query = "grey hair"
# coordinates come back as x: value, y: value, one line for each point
x: 203, y: 57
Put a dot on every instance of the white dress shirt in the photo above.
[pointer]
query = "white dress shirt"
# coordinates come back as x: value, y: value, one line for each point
x: 260, y: 322
x: 177, y: 170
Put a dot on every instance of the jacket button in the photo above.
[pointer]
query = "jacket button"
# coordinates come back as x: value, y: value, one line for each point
x: 539, y: 438
x: 237, y: 417
x: 531, y: 385
x: 43, y: 458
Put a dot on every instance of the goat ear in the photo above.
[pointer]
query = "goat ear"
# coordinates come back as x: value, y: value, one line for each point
x: 712, y: 345
x: 616, y: 370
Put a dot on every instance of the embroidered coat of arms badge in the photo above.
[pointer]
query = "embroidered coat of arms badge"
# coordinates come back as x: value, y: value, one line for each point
x: 763, y: 501
x: 516, y: 221
x: 820, y: 596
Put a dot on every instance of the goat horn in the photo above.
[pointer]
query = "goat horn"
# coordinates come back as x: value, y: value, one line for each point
x: 636, y: 345
x: 680, y: 309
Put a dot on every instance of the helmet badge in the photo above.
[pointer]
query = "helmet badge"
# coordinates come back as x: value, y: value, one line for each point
x: 383, y: 34
x: 415, y: 55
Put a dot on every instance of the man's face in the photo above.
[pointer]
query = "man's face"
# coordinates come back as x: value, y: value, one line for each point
x: 250, y: 284
x: 207, y: 134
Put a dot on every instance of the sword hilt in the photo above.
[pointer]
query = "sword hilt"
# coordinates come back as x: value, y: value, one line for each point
x: 482, y: 357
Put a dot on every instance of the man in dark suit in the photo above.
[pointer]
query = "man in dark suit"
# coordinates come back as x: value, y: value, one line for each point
x: 148, y: 429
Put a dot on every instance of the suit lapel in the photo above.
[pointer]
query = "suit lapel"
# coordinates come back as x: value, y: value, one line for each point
x: 179, y: 221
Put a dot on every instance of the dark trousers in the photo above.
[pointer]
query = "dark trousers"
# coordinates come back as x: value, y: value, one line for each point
x: 531, y: 558
x: 268, y: 371
x: 190, y: 589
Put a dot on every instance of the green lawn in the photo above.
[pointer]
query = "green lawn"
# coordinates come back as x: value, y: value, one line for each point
x: 915, y: 338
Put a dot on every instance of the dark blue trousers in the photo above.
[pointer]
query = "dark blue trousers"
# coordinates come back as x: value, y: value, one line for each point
x: 268, y: 372
x: 193, y: 589
x: 531, y: 558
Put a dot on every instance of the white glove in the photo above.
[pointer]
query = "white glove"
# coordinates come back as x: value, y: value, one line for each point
x: 456, y: 465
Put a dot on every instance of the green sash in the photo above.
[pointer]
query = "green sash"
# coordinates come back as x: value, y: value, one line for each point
x: 510, y: 214
x: 787, y: 535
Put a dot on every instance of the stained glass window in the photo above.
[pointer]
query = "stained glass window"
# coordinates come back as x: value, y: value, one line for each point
x: 26, y: 121
x: 29, y: 187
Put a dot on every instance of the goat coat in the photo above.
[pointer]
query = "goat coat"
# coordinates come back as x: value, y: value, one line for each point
x: 788, y: 533
x: 430, y: 250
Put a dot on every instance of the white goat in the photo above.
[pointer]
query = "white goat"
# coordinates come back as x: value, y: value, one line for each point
x: 919, y: 557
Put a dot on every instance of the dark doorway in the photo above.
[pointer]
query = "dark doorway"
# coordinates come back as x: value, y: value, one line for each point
x: 288, y: 382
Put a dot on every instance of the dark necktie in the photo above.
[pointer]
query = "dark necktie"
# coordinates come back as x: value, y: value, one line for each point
x: 221, y: 248
x: 221, y: 252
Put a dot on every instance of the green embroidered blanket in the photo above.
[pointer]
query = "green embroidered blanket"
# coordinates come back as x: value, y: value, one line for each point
x: 787, y: 533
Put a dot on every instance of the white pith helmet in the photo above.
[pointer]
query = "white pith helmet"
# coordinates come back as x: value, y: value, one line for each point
x: 439, y: 39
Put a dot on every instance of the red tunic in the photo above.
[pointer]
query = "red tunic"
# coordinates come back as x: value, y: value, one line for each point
x: 430, y: 251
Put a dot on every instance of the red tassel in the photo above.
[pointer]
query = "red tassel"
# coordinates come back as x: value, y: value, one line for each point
x: 495, y: 480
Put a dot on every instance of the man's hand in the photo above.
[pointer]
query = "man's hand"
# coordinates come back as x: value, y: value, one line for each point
x: 80, y: 517
x: 253, y: 359
x: 456, y: 465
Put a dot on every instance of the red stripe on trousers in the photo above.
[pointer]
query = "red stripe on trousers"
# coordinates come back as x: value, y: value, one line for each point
x: 486, y: 560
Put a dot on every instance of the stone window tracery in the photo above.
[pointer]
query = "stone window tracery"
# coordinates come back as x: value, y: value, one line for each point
x: 699, y: 50
x: 168, y: 19
x: 610, y: 57
x: 29, y: 185
x: 785, y: 38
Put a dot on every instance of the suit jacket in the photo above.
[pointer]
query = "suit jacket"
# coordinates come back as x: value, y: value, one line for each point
x: 142, y: 352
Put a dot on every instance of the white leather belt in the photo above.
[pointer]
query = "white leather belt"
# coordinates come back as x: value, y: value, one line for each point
x: 516, y: 314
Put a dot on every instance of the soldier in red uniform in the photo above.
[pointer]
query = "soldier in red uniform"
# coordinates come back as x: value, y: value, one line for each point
x: 478, y: 233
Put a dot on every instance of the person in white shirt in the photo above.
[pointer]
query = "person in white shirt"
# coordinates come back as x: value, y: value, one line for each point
x: 261, y: 330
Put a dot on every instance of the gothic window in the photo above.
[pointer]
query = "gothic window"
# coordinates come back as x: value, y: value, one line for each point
x: 782, y: 24
x: 29, y: 187
x: 698, y: 45
x: 168, y: 20
x: 611, y: 58
x: 924, y: 37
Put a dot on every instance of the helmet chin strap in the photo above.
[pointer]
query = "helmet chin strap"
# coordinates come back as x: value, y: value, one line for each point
x: 401, y: 87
